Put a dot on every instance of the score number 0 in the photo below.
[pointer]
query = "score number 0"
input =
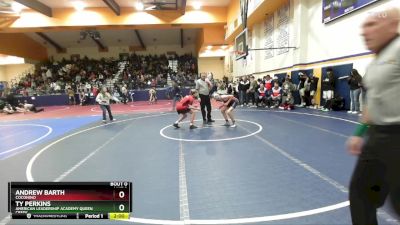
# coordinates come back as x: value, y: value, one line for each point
x: 121, y: 194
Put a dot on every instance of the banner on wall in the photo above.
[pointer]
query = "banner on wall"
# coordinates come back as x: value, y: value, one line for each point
x: 250, y: 45
x: 282, y: 37
x: 276, y: 32
x: 333, y: 9
x: 269, y: 36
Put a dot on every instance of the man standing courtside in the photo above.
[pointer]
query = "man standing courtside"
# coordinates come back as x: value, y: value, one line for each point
x: 204, y: 86
x: 377, y: 173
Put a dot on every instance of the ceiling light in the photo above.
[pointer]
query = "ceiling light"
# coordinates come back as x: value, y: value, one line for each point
x: 79, y: 6
x: 196, y: 5
x: 209, y: 47
x: 16, y: 7
x: 7, y: 59
x: 151, y: 7
x: 139, y: 6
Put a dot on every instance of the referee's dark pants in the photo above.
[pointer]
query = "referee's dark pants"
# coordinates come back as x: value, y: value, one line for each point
x: 376, y: 174
x: 205, y: 102
x: 106, y: 108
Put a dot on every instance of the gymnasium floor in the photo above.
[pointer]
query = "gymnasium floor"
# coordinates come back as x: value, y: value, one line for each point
x: 275, y: 167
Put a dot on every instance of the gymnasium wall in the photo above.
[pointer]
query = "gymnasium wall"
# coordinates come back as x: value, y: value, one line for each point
x: 338, y: 42
x: 3, y: 76
x: 114, y: 51
x: 339, y: 38
x: 19, y: 44
x: 212, y: 64
x: 256, y: 61
x: 9, y: 72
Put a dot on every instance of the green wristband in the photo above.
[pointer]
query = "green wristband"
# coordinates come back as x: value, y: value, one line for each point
x: 360, y: 130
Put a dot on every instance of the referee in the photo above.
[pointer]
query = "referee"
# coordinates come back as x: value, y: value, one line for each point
x: 377, y: 173
x: 204, y: 86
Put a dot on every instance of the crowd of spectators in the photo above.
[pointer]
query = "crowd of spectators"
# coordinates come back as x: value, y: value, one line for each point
x: 88, y: 75
x: 275, y: 92
x: 81, y: 79
x: 153, y: 71
x: 11, y: 105
x: 270, y: 92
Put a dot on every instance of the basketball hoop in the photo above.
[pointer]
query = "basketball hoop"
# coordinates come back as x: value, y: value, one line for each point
x: 238, y: 53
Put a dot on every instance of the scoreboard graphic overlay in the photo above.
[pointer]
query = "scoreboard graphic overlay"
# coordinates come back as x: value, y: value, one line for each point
x: 70, y: 200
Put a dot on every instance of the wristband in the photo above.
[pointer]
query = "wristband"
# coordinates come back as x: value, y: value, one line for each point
x: 361, y: 130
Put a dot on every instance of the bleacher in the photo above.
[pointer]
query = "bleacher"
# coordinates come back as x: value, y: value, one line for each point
x: 138, y: 72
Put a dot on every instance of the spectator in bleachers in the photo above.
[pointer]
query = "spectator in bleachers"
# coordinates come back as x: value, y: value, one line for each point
x: 49, y: 74
x: 244, y: 86
x: 313, y: 89
x: 287, y: 102
x: 302, y: 88
x: 328, y: 88
x: 88, y: 87
x: 78, y: 78
x: 71, y: 96
x: 214, y: 88
x: 57, y: 87
x: 287, y: 94
x: 355, y: 81
x: 124, y: 92
x: 232, y: 89
x: 83, y: 97
x: 288, y: 76
x: 251, y: 93
x: 68, y: 86
x: 116, y: 95
x: 276, y: 80
x: 152, y: 96
x: 52, y: 87
x: 56, y: 77
x: 268, y: 84
x: 275, y: 98
x: 287, y: 89
x: 261, y: 96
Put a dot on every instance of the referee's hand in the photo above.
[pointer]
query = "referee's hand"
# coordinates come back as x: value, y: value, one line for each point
x: 354, y: 145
